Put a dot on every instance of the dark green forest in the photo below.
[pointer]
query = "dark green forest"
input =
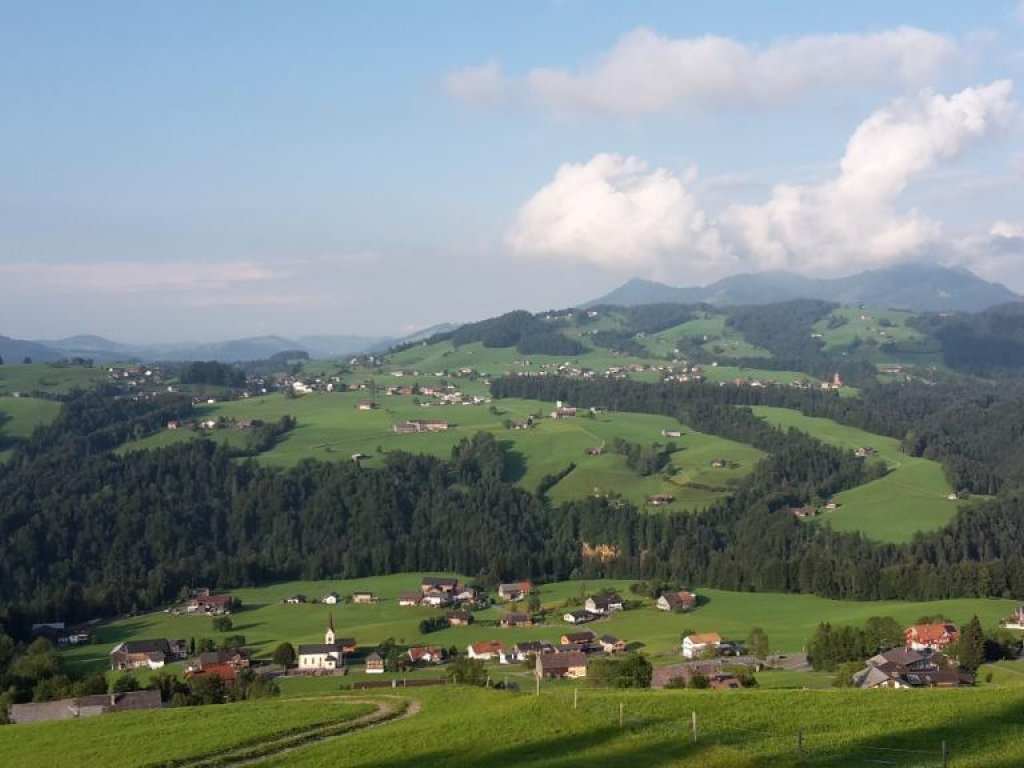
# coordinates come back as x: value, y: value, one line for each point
x: 85, y: 531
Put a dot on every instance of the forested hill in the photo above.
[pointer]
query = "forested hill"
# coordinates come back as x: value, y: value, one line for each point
x: 87, y: 531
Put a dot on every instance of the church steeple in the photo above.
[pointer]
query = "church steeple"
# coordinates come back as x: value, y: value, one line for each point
x: 329, y: 636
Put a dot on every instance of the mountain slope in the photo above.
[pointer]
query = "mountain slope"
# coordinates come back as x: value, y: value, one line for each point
x: 916, y: 287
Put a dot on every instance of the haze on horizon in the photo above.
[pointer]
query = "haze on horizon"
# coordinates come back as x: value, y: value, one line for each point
x: 209, y: 171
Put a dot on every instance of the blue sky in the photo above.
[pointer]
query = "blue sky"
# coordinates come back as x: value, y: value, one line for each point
x: 211, y: 170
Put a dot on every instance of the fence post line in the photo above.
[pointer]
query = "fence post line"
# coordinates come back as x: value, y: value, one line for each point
x: 799, y: 743
x: 945, y: 754
x: 693, y: 722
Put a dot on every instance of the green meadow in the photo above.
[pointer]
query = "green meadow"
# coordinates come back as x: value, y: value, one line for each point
x: 48, y: 377
x: 19, y: 416
x: 878, y: 326
x: 330, y: 427
x: 711, y: 332
x: 910, y: 498
x: 266, y: 620
x: 473, y: 727
x: 158, y: 737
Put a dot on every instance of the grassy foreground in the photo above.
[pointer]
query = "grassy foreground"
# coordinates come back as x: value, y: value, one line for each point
x: 155, y: 737
x: 467, y: 727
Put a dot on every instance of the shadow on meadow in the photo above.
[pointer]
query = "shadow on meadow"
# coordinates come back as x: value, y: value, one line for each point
x: 992, y: 737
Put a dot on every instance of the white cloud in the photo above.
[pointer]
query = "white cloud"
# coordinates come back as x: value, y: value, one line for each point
x: 997, y: 254
x: 851, y: 220
x: 131, y: 277
x: 647, y: 73
x: 613, y: 212
x: 1018, y: 12
x: 481, y: 86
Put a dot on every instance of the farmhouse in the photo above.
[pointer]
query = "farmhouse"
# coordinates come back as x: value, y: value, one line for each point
x: 366, y: 405
x: 420, y: 654
x: 660, y: 499
x: 486, y: 651
x: 906, y: 668
x: 436, y: 599
x: 803, y: 513
x: 84, y: 706
x: 459, y: 618
x: 604, y: 604
x: 520, y: 651
x: 578, y: 617
x: 363, y: 598
x: 697, y: 645
x: 469, y: 595
x: 132, y: 654
x: 295, y: 599
x: 677, y: 601
x: 515, y: 591
x: 374, y: 664
x: 610, y: 644
x: 671, y: 433
x: 438, y: 583
x: 563, y: 413
x: 921, y: 637
x: 331, y: 599
x: 584, y: 638
x: 327, y: 656
x: 516, y: 620
x: 406, y: 599
x: 224, y: 664
x: 558, y: 665
x: 210, y: 605
x: 419, y: 425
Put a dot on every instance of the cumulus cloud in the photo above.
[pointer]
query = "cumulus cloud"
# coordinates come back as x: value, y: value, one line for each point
x: 646, y: 73
x: 480, y: 86
x: 997, y: 254
x: 852, y: 220
x: 613, y: 212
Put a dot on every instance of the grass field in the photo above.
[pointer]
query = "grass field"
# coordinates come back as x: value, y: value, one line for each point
x: 48, y: 377
x: 911, y: 498
x: 330, y: 427
x: 877, y: 325
x: 266, y: 621
x: 711, y: 331
x: 473, y: 727
x: 147, y: 738
x: 20, y: 415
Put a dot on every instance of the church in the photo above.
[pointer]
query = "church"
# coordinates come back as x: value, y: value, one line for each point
x: 327, y: 656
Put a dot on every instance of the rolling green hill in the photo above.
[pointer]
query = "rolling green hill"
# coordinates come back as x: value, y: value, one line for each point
x: 912, y: 497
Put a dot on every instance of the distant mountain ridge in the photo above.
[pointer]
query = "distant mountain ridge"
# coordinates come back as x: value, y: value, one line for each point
x: 917, y: 287
x: 99, y: 348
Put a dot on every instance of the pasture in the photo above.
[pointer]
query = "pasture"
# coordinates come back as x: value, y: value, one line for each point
x: 19, y: 416
x: 474, y: 727
x: 711, y: 332
x: 330, y: 427
x: 53, y: 378
x: 912, y: 497
x: 158, y: 737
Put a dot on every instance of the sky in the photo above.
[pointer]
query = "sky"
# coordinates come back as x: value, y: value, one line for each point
x: 205, y: 171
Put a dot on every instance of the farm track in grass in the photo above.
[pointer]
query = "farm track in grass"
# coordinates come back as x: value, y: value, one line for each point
x: 387, y: 711
x: 912, y: 497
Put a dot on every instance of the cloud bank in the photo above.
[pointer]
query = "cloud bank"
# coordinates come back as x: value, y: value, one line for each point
x: 615, y: 213
x: 645, y: 73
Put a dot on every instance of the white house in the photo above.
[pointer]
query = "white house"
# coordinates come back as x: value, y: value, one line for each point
x: 487, y: 651
x: 332, y: 599
x: 604, y: 604
x: 695, y: 645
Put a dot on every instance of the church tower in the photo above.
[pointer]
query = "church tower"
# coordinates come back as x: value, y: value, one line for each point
x: 329, y: 636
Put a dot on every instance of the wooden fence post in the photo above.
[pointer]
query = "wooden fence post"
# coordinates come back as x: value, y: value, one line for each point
x: 575, y: 697
x: 621, y: 713
x: 800, y: 743
x: 945, y: 754
x: 693, y: 718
